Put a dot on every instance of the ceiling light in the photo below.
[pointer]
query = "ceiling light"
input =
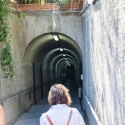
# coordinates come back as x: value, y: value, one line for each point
x: 64, y: 55
x: 67, y: 62
x: 55, y: 37
x: 90, y: 1
x: 61, y: 49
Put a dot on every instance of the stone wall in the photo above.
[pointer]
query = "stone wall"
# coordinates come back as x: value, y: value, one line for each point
x: 104, y: 62
x: 16, y: 104
x: 24, y: 31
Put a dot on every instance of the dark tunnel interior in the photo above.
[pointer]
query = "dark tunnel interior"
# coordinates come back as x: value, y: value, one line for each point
x: 46, y: 51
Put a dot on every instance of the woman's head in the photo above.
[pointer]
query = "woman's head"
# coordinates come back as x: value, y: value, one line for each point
x: 59, y: 94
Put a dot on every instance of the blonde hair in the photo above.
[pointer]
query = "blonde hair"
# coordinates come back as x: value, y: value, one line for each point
x: 59, y: 94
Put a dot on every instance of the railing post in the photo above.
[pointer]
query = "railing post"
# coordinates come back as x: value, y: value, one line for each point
x: 80, y: 81
x: 34, y: 86
x: 79, y: 92
x: 41, y: 81
x: 48, y: 86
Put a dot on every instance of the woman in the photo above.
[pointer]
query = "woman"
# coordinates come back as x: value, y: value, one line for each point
x: 60, y: 113
x: 2, y: 119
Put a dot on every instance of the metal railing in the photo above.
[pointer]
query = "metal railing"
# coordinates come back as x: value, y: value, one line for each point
x: 89, y: 104
x: 31, y: 88
x: 80, y: 93
x: 17, y: 93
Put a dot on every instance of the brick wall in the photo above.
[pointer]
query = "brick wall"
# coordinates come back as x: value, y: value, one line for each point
x: 47, y: 6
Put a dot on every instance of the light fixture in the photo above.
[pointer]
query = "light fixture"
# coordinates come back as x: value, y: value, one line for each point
x: 55, y: 37
x: 90, y: 1
x: 68, y: 63
x: 61, y: 49
x: 64, y: 55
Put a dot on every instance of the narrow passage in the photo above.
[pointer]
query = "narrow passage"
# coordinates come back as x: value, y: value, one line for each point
x: 34, y: 113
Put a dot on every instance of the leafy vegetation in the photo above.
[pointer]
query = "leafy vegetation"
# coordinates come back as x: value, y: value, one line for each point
x: 22, y: 15
x: 7, y: 63
x: 63, y: 2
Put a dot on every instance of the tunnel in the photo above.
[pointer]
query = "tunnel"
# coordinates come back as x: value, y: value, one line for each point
x: 44, y: 53
x: 46, y: 62
x: 88, y: 58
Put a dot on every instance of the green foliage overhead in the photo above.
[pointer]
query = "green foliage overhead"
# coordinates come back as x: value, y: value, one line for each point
x: 63, y: 2
x: 4, y: 13
x: 6, y: 60
x: 22, y: 15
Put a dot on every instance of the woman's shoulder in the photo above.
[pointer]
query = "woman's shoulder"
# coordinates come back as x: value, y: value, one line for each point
x: 1, y: 108
x: 43, y: 119
x: 43, y: 116
x: 75, y: 109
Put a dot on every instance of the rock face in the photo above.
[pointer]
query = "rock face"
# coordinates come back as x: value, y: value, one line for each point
x: 104, y: 59
x: 100, y: 39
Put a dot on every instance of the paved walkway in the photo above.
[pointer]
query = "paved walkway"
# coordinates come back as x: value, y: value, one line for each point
x: 33, y: 115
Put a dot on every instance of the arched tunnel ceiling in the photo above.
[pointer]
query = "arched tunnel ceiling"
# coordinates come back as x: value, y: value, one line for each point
x: 38, y: 49
x: 53, y: 54
x: 58, y: 60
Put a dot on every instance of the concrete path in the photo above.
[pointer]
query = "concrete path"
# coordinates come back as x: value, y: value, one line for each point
x: 33, y: 115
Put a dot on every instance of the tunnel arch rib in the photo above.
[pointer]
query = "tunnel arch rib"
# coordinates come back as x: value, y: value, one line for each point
x: 44, y: 50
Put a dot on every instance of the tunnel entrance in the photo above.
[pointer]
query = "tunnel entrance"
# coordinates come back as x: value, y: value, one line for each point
x: 45, y: 62
x: 46, y: 59
x: 55, y: 57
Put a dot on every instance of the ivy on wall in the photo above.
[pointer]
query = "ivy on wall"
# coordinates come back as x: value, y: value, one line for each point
x: 7, y: 63
x: 6, y: 60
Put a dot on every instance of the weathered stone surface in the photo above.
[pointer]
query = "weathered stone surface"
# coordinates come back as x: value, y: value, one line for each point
x: 104, y: 38
x: 100, y: 35
x: 24, y: 31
